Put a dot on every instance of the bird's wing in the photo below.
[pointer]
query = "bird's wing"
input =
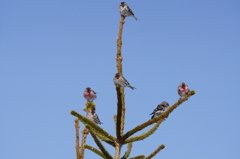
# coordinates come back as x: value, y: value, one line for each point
x: 96, y: 119
x: 130, y: 11
x: 125, y: 81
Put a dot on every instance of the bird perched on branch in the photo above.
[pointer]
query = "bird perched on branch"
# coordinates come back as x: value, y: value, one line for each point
x: 183, y: 89
x: 161, y: 108
x: 120, y: 80
x: 125, y: 11
x: 91, y: 115
x: 89, y: 94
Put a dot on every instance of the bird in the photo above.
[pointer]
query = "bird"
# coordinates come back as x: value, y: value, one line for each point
x: 120, y: 80
x: 125, y: 11
x: 161, y: 108
x: 183, y: 89
x: 89, y: 94
x: 91, y: 115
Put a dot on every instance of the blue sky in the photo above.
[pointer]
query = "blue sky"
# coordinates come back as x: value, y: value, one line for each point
x: 52, y: 50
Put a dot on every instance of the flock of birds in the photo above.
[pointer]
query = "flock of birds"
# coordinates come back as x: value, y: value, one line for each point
x: 90, y: 95
x: 119, y: 80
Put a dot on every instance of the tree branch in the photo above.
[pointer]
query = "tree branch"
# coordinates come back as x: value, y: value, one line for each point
x: 84, y: 138
x: 94, y: 126
x: 105, y: 139
x: 99, y: 144
x: 117, y: 151
x: 155, y: 152
x: 115, y: 120
x: 144, y: 135
x: 119, y: 46
x: 138, y: 157
x: 120, y: 92
x: 127, y: 153
x: 120, y: 112
x: 94, y: 150
x: 77, y: 137
x: 161, y: 117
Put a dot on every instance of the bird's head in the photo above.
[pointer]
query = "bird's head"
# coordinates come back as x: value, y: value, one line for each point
x: 183, y: 85
x: 117, y: 75
x: 165, y: 103
x: 122, y: 3
x: 88, y: 89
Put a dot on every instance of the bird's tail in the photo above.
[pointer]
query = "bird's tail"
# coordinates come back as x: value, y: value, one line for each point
x: 132, y: 87
x: 135, y: 18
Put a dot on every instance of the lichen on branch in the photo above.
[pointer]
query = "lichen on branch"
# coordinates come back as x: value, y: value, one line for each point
x: 155, y: 152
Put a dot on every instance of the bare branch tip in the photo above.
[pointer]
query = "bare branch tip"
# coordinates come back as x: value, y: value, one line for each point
x: 193, y: 92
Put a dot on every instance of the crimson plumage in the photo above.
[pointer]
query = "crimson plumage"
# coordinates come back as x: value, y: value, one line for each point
x: 183, y: 89
x: 89, y: 94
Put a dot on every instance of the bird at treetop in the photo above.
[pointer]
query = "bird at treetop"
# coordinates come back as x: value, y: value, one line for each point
x: 89, y: 94
x: 183, y: 89
x: 125, y: 11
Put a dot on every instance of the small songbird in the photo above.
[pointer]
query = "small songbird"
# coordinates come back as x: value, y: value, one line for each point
x: 91, y: 115
x: 161, y: 108
x: 120, y: 80
x: 89, y: 94
x: 125, y: 11
x: 183, y: 89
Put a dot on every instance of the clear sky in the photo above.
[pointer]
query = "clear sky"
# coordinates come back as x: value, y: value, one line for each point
x: 50, y: 51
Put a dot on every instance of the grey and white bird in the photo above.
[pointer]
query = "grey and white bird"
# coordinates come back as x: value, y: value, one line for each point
x: 125, y: 11
x: 120, y: 80
x: 183, y: 89
x: 89, y: 94
x: 91, y: 115
x: 161, y: 108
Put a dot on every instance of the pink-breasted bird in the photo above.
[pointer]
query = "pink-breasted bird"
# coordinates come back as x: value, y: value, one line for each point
x: 91, y: 115
x: 120, y: 80
x: 89, y: 94
x: 125, y: 11
x: 183, y: 89
x: 161, y: 108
